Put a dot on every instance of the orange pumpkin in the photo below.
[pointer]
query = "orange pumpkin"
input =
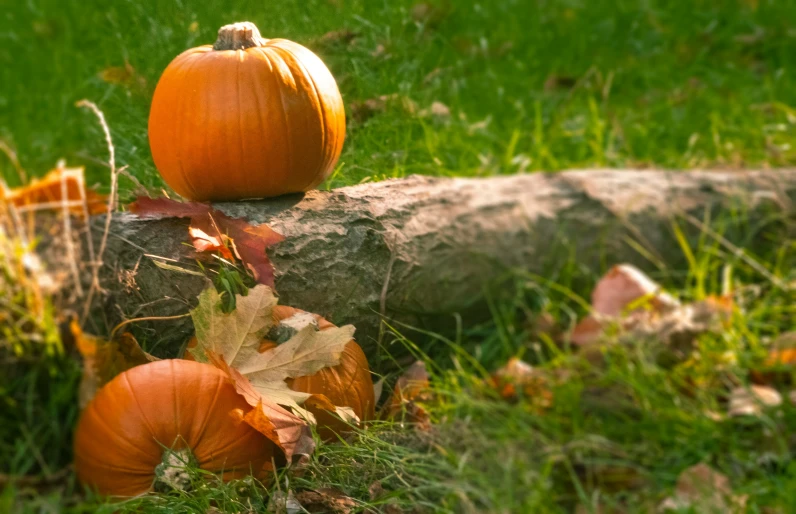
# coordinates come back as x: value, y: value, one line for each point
x: 349, y: 384
x: 245, y: 118
x: 124, y: 434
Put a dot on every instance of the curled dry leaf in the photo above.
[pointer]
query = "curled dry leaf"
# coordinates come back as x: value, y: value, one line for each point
x: 412, y: 387
x: 204, y: 242
x: 61, y: 185
x: 623, y: 291
x: 103, y: 360
x: 708, y: 490
x: 326, y: 500
x: 248, y: 242
x: 752, y: 401
x: 635, y: 307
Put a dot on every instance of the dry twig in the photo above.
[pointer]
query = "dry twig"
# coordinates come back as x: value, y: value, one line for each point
x: 97, y: 262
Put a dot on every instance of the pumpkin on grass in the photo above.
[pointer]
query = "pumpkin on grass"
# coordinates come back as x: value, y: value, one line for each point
x: 247, y: 117
x: 349, y: 384
x: 151, y: 420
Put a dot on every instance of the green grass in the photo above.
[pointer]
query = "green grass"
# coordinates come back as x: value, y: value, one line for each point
x: 656, y: 83
x: 530, y: 86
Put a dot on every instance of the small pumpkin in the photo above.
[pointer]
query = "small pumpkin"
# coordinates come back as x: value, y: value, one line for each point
x: 136, y: 425
x: 349, y: 384
x: 247, y: 117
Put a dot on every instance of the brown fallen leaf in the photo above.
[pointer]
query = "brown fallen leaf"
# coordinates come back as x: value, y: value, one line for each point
x: 412, y: 387
x: 518, y: 378
x: 126, y: 76
x: 437, y: 110
x: 705, y: 489
x: 625, y: 287
x: 248, y: 242
x: 623, y: 291
x: 343, y: 37
x: 429, y: 14
x: 326, y: 499
x: 103, y: 360
x: 780, y: 365
x: 752, y: 401
x: 637, y: 309
x: 61, y: 185
x: 379, y: 51
x: 366, y: 109
x: 678, y: 328
x: 433, y: 75
x: 284, y: 503
x: 554, y: 82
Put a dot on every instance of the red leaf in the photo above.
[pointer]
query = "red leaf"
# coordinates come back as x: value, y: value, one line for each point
x: 248, y: 241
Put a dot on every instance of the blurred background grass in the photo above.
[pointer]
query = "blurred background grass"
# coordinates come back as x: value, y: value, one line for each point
x: 529, y: 85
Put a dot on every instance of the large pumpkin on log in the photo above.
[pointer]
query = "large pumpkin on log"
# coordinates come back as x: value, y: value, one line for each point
x: 149, y: 420
x: 247, y: 117
x: 349, y: 384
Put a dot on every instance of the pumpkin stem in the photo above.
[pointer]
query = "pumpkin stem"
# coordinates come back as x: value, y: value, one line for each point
x: 172, y: 472
x: 238, y: 36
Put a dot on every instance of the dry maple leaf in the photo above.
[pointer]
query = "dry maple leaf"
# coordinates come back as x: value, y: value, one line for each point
x: 232, y: 342
x: 103, y: 360
x: 60, y: 186
x: 248, y: 242
x: 237, y: 336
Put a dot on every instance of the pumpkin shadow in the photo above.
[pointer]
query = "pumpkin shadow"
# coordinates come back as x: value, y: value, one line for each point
x: 260, y: 209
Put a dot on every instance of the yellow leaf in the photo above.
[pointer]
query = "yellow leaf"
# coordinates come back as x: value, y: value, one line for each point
x: 61, y: 188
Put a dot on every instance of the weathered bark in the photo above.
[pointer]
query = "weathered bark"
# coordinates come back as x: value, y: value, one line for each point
x: 419, y: 250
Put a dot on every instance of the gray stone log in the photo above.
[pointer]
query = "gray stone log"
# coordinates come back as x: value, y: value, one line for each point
x: 419, y: 250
